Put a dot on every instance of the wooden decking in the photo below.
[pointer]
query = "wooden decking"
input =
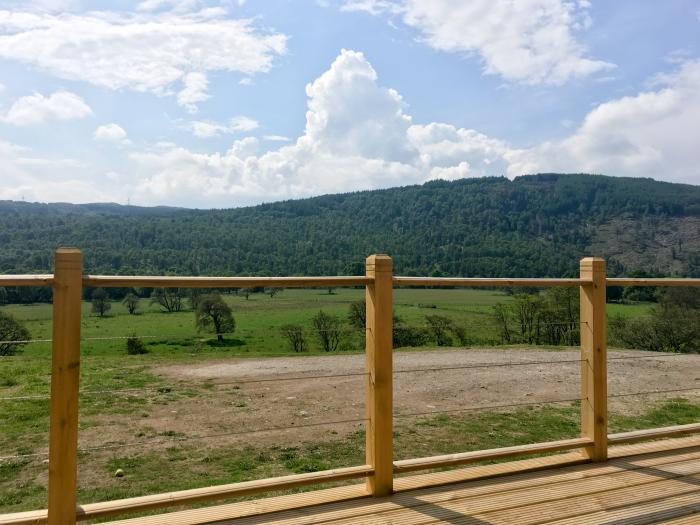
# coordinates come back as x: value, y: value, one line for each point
x: 653, y: 483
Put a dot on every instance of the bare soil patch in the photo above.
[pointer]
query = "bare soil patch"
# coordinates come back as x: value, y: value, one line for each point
x: 301, y: 395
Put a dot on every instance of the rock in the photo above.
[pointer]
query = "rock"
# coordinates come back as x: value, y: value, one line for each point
x: 119, y: 473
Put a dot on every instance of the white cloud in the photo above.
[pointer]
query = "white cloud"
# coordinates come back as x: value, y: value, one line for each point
x: 195, y: 90
x: 36, y: 108
x: 528, y: 41
x: 277, y: 138
x: 161, y: 53
x: 652, y: 134
x: 111, y: 133
x: 207, y: 129
x: 357, y: 136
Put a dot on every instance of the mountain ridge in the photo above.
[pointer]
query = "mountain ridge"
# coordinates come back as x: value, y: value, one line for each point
x: 534, y: 225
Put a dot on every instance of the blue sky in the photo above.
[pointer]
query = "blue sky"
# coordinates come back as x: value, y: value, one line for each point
x: 228, y: 103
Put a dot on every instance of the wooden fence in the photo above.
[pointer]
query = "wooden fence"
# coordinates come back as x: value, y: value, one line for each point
x: 380, y: 468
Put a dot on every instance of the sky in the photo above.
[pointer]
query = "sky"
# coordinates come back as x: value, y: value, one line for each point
x: 226, y: 103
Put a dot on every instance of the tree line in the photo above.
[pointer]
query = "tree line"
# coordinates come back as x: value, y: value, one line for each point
x: 535, y: 226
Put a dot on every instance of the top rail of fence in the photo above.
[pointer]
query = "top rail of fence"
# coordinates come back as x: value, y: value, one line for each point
x: 486, y: 281
x: 652, y: 282
x: 121, y: 281
x: 26, y: 280
x: 147, y: 281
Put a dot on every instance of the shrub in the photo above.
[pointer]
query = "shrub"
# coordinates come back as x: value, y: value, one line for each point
x: 328, y: 331
x: 440, y: 326
x: 405, y: 336
x: 295, y: 337
x: 12, y: 333
x: 135, y: 346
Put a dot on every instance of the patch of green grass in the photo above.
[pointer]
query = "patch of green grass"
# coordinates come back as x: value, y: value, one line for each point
x: 190, y: 465
x: 678, y: 411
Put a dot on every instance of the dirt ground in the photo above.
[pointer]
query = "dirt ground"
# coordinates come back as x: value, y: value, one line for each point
x: 244, y: 396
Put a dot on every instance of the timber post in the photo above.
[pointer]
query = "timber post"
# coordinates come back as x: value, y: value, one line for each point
x: 65, y: 378
x: 594, y: 351
x: 379, y: 367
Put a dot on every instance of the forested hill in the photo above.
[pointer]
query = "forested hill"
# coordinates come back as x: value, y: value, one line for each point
x: 536, y: 225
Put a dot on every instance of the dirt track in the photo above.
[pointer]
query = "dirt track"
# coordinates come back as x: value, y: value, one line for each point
x: 253, y: 394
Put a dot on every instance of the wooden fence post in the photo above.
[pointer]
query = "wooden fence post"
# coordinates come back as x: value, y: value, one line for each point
x: 65, y: 377
x: 594, y: 351
x: 379, y: 367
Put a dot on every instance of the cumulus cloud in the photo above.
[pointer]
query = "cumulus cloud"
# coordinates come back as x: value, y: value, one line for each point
x: 357, y: 136
x: 165, y: 53
x: 528, y: 41
x: 37, y: 108
x: 111, y: 133
x: 360, y: 135
x: 651, y: 134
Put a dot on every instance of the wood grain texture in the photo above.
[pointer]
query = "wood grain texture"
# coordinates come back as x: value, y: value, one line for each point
x: 26, y: 280
x: 379, y: 378
x: 409, y: 465
x: 123, y: 281
x: 65, y: 384
x: 594, y: 356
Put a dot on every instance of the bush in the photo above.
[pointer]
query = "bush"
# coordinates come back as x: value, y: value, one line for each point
x: 295, y: 337
x: 12, y: 333
x: 328, y: 331
x: 440, y: 326
x: 666, y: 330
x: 405, y: 336
x: 134, y: 346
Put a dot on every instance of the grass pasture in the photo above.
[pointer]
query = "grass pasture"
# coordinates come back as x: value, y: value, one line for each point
x: 159, y: 461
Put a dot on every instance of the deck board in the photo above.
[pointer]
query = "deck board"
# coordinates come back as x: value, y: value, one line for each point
x: 641, y: 485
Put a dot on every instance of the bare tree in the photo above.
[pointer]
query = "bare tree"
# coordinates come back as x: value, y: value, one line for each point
x: 169, y: 299
x: 295, y: 337
x: 131, y: 301
x: 328, y: 330
x: 272, y: 291
x: 100, y: 302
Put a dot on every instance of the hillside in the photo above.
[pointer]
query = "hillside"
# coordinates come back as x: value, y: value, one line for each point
x: 536, y: 225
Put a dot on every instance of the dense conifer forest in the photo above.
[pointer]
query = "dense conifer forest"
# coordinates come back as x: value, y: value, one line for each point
x: 537, y: 225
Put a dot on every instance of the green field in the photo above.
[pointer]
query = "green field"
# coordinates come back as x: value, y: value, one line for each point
x: 172, y: 338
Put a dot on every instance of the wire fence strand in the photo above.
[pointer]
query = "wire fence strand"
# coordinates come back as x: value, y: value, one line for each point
x: 486, y: 407
x: 181, y: 439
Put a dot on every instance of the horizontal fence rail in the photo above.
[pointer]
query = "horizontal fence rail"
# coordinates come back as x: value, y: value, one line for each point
x: 380, y: 468
x: 110, y: 281
x: 486, y: 281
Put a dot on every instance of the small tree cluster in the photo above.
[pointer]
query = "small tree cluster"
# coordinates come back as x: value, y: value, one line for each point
x: 671, y: 326
x: 550, y: 318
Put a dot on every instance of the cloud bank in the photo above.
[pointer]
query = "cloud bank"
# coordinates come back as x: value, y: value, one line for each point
x: 164, y: 53
x: 528, y: 41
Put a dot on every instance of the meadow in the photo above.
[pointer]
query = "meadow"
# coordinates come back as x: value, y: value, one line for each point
x: 125, y: 397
